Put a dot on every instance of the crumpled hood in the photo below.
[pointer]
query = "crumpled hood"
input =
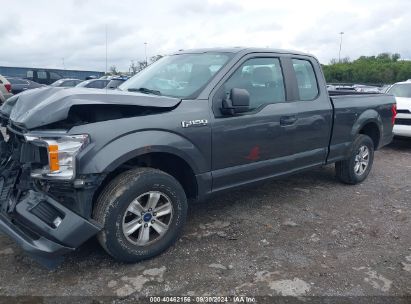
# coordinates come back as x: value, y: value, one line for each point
x: 43, y: 106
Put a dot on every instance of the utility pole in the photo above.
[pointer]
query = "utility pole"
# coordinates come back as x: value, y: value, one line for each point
x: 106, y: 50
x: 64, y: 66
x: 145, y: 52
x: 339, y: 53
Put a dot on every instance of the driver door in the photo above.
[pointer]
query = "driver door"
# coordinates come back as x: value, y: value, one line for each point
x: 255, y: 144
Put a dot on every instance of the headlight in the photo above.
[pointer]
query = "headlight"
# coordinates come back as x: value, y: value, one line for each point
x: 62, y: 150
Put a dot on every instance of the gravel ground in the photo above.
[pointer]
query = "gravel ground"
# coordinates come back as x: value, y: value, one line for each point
x: 303, y: 235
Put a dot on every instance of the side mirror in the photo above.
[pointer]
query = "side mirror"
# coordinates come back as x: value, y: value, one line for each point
x: 238, y: 101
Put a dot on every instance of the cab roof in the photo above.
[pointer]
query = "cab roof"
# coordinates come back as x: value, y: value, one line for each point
x: 244, y: 50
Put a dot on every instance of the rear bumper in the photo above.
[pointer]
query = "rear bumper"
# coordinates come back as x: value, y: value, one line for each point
x: 402, y: 130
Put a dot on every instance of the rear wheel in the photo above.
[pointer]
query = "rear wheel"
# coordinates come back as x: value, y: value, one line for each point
x: 143, y: 212
x: 355, y: 169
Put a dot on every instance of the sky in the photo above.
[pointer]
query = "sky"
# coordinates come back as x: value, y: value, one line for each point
x: 71, y: 33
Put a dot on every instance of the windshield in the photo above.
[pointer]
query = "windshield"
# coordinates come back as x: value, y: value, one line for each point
x: 401, y: 90
x: 177, y: 75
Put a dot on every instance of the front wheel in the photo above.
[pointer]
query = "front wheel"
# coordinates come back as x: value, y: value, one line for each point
x: 355, y: 169
x: 143, y: 212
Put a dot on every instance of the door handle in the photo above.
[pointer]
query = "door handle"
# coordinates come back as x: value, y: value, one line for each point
x: 287, y: 120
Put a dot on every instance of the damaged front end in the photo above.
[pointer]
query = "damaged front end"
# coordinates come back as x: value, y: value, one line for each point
x: 46, y: 201
x: 43, y: 208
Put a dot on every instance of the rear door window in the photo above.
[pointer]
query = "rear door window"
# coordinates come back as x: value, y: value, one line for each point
x: 306, y: 80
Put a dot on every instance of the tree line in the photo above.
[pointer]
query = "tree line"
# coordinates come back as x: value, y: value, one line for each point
x: 385, y: 68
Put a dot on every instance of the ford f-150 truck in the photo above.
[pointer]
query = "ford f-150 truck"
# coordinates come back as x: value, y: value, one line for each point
x: 122, y: 164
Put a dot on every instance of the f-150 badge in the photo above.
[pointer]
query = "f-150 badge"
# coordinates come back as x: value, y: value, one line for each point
x: 194, y: 123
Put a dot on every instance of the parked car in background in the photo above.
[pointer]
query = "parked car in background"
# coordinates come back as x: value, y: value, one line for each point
x: 115, y: 82
x: 106, y: 77
x: 402, y: 93
x: 384, y: 88
x: 66, y: 82
x: 94, y: 83
x: 19, y: 85
x: 2, y: 99
x: 340, y: 87
x: 42, y: 76
x: 366, y: 88
x: 5, y: 87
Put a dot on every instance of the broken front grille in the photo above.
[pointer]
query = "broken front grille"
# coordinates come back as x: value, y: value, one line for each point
x: 8, y: 178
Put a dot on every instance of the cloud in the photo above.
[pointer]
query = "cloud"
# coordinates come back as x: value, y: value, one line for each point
x: 369, y: 31
x: 42, y: 33
x: 203, y: 8
x: 266, y: 27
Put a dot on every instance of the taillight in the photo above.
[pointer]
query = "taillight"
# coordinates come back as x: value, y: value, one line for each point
x: 8, y: 87
x: 394, y: 113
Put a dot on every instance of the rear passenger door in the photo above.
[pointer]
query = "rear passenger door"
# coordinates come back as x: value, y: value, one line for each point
x: 312, y: 110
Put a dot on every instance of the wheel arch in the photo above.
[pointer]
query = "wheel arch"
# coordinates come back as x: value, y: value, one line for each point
x: 162, y: 150
x: 369, y: 123
x: 168, y: 162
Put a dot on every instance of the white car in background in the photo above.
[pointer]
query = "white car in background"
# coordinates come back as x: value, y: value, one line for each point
x: 5, y: 88
x: 2, y: 99
x: 402, y: 93
x: 366, y: 88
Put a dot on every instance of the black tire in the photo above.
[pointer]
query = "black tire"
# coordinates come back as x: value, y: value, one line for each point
x: 345, y: 169
x: 114, y: 201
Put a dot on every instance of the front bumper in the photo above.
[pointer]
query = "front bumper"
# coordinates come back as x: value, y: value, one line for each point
x: 31, y: 226
x: 41, y: 221
x: 40, y: 248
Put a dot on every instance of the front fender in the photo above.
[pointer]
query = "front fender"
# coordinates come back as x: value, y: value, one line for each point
x: 129, y: 146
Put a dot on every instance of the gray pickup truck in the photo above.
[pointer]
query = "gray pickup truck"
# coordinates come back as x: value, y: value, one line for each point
x: 123, y: 164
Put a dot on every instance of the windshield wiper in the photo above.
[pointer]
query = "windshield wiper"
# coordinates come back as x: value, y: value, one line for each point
x: 144, y: 91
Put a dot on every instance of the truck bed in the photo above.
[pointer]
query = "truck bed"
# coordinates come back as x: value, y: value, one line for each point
x: 358, y: 108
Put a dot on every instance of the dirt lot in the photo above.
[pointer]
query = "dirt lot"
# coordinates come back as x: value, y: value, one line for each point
x: 304, y: 235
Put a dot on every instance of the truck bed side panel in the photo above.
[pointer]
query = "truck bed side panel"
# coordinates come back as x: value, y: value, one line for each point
x: 351, y: 114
